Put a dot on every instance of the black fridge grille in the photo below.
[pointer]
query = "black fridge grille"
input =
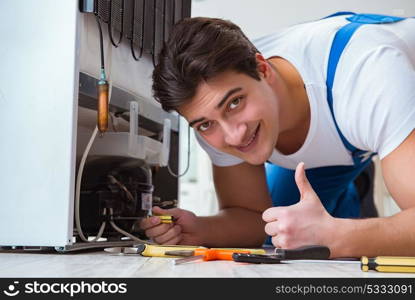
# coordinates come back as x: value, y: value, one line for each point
x: 144, y: 24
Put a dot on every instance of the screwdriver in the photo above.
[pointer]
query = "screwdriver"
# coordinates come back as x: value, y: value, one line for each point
x: 389, y: 264
x: 164, y: 219
x: 321, y: 254
x: 205, y: 254
x: 306, y: 252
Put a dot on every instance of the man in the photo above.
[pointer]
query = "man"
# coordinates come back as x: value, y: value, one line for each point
x: 280, y: 104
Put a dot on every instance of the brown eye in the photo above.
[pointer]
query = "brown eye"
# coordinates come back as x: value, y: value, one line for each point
x: 235, y: 103
x: 204, y: 126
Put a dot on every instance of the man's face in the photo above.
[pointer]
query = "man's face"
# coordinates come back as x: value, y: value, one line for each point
x: 236, y: 114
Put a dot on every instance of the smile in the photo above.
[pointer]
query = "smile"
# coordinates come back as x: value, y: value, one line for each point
x: 250, y: 143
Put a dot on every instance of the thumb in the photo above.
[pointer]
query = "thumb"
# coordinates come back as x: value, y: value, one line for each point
x: 158, y: 210
x: 302, y: 182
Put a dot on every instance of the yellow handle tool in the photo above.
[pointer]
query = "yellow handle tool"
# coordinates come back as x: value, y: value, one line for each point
x: 389, y: 264
x: 160, y: 250
x: 165, y: 219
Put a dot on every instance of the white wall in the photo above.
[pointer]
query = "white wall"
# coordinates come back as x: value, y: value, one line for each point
x: 258, y: 18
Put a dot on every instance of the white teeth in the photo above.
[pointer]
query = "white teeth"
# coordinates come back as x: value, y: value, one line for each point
x: 250, y: 141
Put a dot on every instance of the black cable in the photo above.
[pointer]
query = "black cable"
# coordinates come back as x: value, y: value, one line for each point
x: 102, y: 89
x: 137, y: 58
x: 153, y: 58
x: 154, y: 34
x: 109, y: 24
x: 133, y: 51
x: 101, y: 42
x: 188, y: 157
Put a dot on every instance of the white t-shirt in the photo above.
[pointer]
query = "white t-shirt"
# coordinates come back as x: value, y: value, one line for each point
x: 373, y: 90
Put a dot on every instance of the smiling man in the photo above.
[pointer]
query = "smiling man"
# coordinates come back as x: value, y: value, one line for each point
x: 278, y: 102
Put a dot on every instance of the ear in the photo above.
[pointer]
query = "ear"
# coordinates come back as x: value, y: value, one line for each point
x: 263, y: 67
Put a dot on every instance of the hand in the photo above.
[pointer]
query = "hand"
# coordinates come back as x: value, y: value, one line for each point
x: 304, y: 223
x: 181, y: 231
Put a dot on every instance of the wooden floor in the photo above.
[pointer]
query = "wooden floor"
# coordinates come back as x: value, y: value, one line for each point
x: 102, y: 264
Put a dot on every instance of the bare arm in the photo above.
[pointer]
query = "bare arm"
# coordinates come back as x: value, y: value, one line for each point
x: 393, y: 235
x: 243, y: 196
x: 308, y: 223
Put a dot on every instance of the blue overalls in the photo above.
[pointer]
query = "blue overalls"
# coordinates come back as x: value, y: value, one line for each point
x: 333, y: 184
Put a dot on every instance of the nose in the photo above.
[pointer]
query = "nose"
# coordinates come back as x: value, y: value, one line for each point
x: 234, y: 133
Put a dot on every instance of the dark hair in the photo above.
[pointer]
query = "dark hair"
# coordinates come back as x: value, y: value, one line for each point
x: 197, y: 50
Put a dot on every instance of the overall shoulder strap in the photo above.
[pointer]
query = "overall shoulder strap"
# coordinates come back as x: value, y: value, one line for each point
x: 341, y: 38
x: 340, y: 13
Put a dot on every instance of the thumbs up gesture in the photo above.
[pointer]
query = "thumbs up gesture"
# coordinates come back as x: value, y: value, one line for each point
x: 304, y: 223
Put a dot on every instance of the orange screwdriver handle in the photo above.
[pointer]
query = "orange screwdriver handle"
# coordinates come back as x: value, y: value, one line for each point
x: 220, y: 254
